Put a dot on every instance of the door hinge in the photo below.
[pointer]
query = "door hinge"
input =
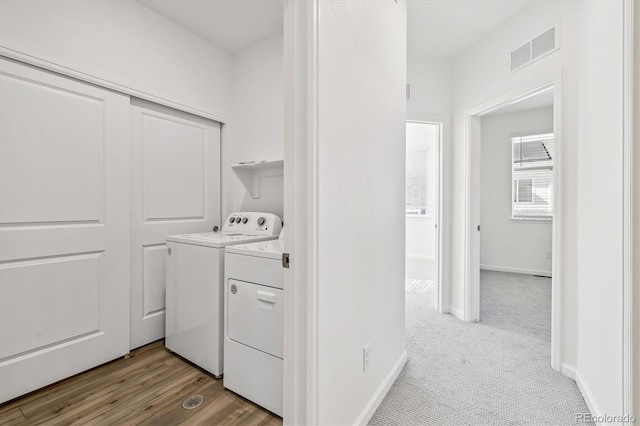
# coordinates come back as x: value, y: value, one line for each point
x: 285, y: 260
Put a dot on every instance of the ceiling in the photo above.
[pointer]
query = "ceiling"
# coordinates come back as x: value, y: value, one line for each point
x: 436, y: 28
x: 232, y: 25
x: 444, y: 28
x: 541, y: 100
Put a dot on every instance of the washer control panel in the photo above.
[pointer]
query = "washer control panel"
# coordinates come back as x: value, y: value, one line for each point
x: 252, y: 223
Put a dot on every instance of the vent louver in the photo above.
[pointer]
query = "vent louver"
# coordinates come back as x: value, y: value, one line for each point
x: 521, y: 56
x: 534, y: 49
x: 544, y: 43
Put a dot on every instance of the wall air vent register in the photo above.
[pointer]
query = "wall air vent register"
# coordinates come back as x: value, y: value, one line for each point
x: 535, y: 49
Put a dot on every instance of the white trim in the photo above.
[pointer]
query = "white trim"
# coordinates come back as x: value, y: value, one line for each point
x: 472, y: 207
x: 627, y: 214
x: 568, y: 370
x: 443, y: 287
x: 313, y: 25
x: 458, y: 313
x: 108, y: 84
x: 382, y: 391
x: 587, y: 394
x: 515, y: 270
x: 417, y: 257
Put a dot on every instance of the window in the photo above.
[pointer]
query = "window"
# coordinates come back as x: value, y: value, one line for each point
x: 416, y: 181
x: 532, y: 176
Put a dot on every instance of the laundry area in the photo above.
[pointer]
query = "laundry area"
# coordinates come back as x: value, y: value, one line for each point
x: 131, y: 165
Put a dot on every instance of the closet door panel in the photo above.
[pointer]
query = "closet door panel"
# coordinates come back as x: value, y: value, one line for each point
x: 64, y: 227
x: 175, y: 177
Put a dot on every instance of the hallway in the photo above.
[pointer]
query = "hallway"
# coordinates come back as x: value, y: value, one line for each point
x: 495, y: 372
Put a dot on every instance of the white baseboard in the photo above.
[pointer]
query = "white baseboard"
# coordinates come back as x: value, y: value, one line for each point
x: 587, y: 395
x: 458, y: 313
x: 516, y: 270
x: 382, y: 390
x: 568, y: 370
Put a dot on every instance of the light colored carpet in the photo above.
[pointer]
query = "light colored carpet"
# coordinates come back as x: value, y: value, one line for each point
x: 496, y: 373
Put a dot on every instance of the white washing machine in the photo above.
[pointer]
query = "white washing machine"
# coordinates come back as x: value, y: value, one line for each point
x: 254, y: 322
x: 194, y: 286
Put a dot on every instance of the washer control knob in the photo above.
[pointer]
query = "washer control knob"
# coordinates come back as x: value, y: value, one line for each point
x: 232, y: 219
x: 245, y: 220
x: 261, y: 221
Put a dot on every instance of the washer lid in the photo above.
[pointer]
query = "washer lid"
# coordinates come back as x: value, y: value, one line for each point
x: 268, y: 249
x: 216, y: 239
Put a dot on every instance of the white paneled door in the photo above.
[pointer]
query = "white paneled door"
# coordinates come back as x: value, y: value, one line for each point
x: 64, y: 227
x: 175, y: 189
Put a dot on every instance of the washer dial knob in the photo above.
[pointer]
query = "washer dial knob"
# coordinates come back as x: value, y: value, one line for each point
x: 245, y: 220
x: 261, y: 221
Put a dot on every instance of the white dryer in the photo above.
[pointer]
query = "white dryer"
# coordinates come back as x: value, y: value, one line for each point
x: 194, y: 286
x: 254, y: 322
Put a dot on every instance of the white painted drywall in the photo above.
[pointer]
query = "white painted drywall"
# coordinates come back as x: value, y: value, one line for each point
x: 420, y: 230
x: 590, y: 103
x: 506, y: 244
x: 256, y: 127
x: 361, y: 157
x: 482, y: 73
x: 636, y: 213
x: 600, y: 207
x: 430, y: 80
x: 122, y: 42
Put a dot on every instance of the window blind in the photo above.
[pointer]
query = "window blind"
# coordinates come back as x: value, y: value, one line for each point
x: 532, y: 176
x: 416, y: 182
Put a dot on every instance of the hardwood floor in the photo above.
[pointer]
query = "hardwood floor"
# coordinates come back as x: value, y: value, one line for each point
x: 147, y: 388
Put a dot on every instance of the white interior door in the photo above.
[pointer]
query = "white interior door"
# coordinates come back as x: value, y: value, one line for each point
x: 64, y: 227
x: 175, y: 189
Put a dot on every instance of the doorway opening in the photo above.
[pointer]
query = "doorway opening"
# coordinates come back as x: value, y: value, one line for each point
x: 422, y: 210
x: 513, y: 239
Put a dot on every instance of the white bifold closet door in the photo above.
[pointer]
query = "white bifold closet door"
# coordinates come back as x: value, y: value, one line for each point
x: 175, y: 189
x: 64, y: 227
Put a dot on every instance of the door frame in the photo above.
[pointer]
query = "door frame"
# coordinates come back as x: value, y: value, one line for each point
x: 442, y: 297
x: 472, y: 205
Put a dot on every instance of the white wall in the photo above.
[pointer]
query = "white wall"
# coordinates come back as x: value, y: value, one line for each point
x: 256, y: 126
x: 482, y: 73
x: 636, y: 213
x: 122, y: 42
x: 430, y: 80
x: 510, y: 245
x: 361, y: 63
x: 591, y: 228
x: 600, y: 207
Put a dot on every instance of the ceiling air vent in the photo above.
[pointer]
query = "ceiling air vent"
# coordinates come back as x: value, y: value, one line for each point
x: 534, y: 49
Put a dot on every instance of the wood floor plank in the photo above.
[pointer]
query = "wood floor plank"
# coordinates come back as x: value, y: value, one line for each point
x: 115, y: 412
x: 59, y: 394
x: 12, y: 417
x: 146, y: 389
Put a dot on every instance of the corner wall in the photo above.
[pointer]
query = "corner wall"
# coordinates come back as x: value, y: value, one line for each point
x: 506, y: 244
x: 256, y: 127
x: 124, y: 43
x: 361, y: 61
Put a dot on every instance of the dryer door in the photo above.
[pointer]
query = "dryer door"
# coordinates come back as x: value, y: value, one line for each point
x: 255, y: 316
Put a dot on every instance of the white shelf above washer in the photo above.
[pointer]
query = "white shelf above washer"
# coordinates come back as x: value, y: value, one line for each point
x: 250, y: 173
